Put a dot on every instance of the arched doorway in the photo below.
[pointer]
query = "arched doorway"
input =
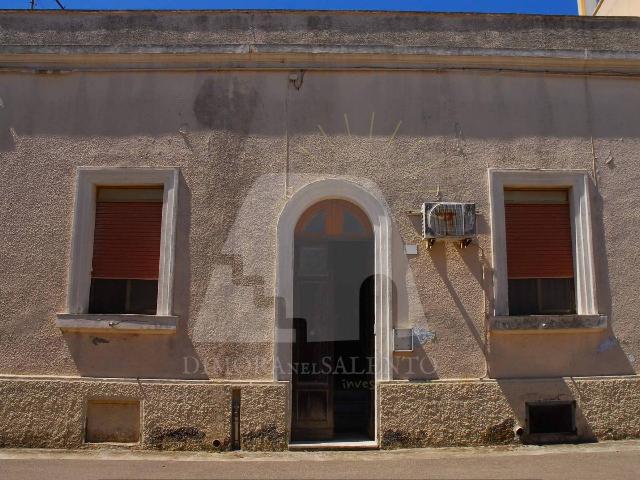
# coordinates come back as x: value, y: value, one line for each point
x: 333, y: 352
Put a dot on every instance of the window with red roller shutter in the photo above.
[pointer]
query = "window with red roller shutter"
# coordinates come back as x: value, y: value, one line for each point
x: 126, y: 250
x: 127, y: 240
x: 539, y: 252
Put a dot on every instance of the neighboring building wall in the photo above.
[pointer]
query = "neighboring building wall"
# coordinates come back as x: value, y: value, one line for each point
x: 245, y: 141
x: 587, y: 7
x: 618, y: 8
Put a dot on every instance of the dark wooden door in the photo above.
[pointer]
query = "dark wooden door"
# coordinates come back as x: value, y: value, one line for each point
x: 333, y: 323
x: 313, y: 346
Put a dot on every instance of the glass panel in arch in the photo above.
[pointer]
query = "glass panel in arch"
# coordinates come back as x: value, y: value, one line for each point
x: 316, y: 223
x: 351, y: 224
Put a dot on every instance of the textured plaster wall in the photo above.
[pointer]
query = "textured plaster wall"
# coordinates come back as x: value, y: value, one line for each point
x: 50, y: 413
x: 235, y: 135
x: 168, y: 30
x: 441, y: 413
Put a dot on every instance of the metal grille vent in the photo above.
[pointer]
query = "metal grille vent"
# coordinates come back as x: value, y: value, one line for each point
x: 449, y: 220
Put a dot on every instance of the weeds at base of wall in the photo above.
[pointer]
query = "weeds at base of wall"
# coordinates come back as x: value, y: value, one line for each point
x: 181, y: 438
x: 611, y: 434
x: 498, y: 434
x: 501, y: 433
x: 267, y: 438
x: 37, y: 440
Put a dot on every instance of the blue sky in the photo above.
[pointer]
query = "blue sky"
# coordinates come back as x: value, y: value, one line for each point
x: 556, y: 7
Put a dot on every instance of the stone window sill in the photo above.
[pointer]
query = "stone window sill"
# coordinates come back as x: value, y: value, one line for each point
x: 110, y: 323
x: 547, y: 323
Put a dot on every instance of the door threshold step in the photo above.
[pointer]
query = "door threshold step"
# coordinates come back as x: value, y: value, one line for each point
x: 334, y: 445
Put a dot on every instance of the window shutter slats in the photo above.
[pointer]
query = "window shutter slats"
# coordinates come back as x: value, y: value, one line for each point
x: 538, y: 241
x: 127, y: 240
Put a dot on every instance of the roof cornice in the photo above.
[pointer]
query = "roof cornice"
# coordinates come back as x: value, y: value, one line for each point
x: 67, y: 41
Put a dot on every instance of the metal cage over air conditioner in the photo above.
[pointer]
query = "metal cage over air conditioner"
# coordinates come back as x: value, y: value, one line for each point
x: 449, y: 221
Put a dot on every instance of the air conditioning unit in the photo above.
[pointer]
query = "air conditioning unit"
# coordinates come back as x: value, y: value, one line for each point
x: 448, y: 221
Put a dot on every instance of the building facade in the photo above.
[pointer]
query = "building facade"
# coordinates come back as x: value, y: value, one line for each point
x: 212, y: 229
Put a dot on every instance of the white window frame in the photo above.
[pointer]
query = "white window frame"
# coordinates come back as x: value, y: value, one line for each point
x: 577, y: 182
x: 87, y: 181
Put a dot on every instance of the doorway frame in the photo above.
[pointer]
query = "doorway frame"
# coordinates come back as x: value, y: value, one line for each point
x: 380, y: 218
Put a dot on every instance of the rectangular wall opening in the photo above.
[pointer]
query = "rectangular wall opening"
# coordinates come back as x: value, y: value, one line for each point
x: 113, y: 421
x: 551, y: 419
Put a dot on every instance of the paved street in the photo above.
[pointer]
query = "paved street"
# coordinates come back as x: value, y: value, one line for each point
x: 610, y: 460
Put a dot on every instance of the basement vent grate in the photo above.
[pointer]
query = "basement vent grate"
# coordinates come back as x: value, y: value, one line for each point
x: 551, y: 418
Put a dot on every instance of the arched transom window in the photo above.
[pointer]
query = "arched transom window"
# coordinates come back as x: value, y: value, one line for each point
x: 337, y: 219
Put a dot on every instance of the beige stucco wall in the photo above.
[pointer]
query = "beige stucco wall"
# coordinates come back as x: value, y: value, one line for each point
x: 51, y: 413
x: 226, y: 132
x: 618, y: 8
x: 435, y: 414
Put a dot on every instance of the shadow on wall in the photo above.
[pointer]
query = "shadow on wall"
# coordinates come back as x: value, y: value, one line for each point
x: 148, y: 356
x: 616, y: 358
x: 553, y: 391
x: 7, y: 140
x: 474, y: 266
x: 450, y: 103
x: 433, y: 356
x: 415, y: 365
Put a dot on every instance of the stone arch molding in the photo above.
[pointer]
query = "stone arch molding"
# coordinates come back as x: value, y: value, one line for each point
x: 378, y: 213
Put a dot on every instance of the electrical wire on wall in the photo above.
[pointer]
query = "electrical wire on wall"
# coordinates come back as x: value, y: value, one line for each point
x: 286, y: 135
x: 295, y: 80
x: 485, y: 294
